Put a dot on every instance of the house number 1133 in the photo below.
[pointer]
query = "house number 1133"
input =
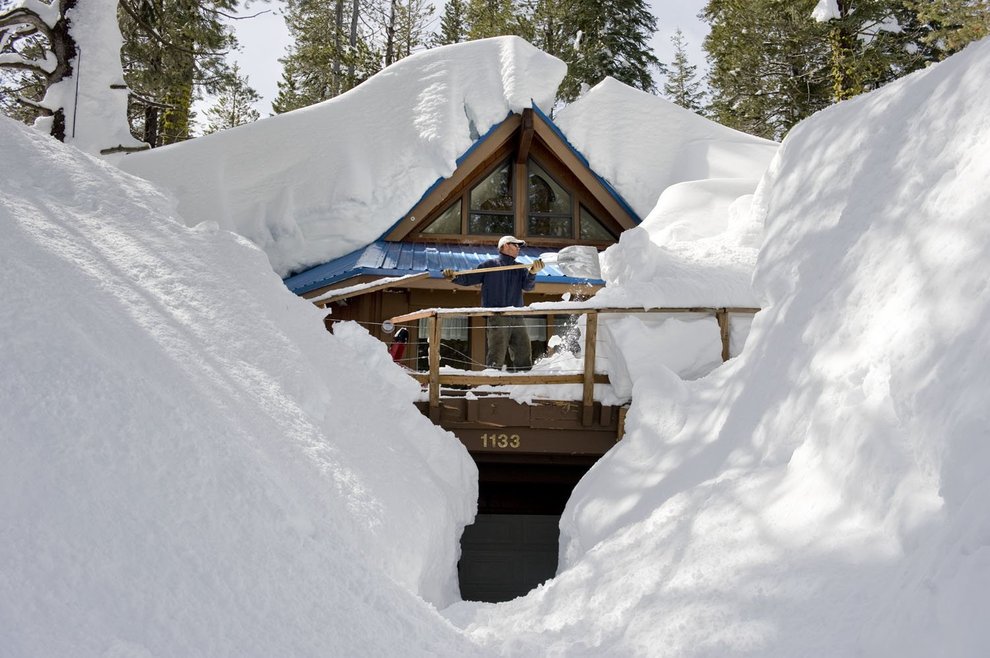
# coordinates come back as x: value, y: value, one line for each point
x: 500, y: 441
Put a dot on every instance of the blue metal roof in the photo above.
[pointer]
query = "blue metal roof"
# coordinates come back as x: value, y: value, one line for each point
x: 382, y: 258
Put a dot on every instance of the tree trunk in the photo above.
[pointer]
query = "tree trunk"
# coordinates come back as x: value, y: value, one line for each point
x: 355, y: 6
x: 338, y: 31
x: 390, y: 36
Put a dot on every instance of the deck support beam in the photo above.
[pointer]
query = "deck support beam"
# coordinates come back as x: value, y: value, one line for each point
x: 434, y: 324
x: 588, y: 396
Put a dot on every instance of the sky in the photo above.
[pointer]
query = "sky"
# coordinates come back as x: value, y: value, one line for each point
x: 264, y: 39
x: 177, y: 480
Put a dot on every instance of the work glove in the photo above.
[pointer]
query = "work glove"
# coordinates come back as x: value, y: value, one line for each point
x: 448, y: 273
x: 536, y: 266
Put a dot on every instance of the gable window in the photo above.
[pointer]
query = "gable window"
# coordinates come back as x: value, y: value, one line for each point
x: 492, y: 210
x: 448, y: 223
x: 592, y: 229
x: 539, y: 199
x: 549, y: 213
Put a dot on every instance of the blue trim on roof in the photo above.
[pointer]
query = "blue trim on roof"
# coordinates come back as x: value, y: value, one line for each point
x: 381, y: 258
x: 441, y: 179
x: 557, y: 131
x: 608, y: 186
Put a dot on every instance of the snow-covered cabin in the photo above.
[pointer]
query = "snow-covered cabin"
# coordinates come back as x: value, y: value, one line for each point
x: 361, y: 201
x: 427, y: 164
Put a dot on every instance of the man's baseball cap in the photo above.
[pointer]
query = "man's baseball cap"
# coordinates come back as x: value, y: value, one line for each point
x: 510, y: 239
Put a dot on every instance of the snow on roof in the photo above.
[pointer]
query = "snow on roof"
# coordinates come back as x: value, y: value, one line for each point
x: 314, y: 184
x: 643, y: 144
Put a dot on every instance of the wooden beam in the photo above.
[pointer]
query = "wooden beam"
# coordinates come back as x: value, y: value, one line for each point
x: 588, y: 397
x: 498, y: 268
x: 525, y: 136
x: 559, y: 309
x: 499, y: 380
x: 363, y: 289
x: 434, y: 324
x: 722, y: 316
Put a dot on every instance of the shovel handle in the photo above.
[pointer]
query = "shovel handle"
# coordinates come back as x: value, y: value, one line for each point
x: 500, y: 268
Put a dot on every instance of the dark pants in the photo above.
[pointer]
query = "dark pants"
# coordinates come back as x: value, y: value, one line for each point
x: 508, y: 333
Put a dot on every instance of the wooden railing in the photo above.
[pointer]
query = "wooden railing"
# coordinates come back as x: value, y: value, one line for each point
x: 434, y: 379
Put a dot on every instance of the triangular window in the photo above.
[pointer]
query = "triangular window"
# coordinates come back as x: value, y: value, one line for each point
x: 492, y: 210
x: 449, y: 223
x: 592, y: 229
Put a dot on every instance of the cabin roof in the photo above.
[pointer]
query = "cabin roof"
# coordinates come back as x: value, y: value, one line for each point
x: 555, y: 129
x: 381, y: 258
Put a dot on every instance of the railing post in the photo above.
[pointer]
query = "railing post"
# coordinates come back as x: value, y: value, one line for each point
x: 722, y: 316
x: 590, y: 340
x: 433, y: 327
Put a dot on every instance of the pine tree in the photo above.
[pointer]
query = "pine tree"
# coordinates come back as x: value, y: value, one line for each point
x: 453, y: 23
x: 873, y: 42
x: 543, y: 25
x: 490, y: 18
x: 173, y: 52
x: 953, y: 23
x: 682, y: 86
x: 768, y: 64
x: 611, y: 39
x: 234, y: 105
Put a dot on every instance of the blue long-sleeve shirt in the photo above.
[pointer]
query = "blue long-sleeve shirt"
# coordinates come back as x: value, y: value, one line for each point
x: 499, y: 289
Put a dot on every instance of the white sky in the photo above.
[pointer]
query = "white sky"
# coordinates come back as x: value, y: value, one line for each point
x: 264, y: 39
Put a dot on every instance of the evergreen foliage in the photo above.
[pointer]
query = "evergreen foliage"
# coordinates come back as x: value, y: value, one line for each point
x: 611, y: 39
x: 953, y: 23
x: 337, y: 44
x: 234, y: 105
x: 490, y: 18
x: 683, y: 86
x: 173, y: 52
x: 453, y: 23
x: 771, y: 64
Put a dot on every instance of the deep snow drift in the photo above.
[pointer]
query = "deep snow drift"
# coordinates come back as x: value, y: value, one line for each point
x: 191, y: 465
x: 317, y: 183
x: 825, y: 493
x: 314, y: 184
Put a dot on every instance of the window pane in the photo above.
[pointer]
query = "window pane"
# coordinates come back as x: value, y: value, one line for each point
x: 544, y: 193
x: 490, y: 224
x: 448, y: 222
x: 495, y: 192
x: 550, y: 226
x: 592, y: 229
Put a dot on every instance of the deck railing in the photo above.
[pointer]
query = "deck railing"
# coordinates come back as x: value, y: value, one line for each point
x: 434, y: 379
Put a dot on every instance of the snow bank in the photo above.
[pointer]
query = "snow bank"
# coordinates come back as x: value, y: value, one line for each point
x: 191, y: 464
x: 317, y: 183
x: 692, y: 180
x: 643, y: 144
x: 825, y: 493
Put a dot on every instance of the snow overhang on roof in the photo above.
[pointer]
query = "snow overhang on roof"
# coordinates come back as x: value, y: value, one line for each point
x: 389, y: 259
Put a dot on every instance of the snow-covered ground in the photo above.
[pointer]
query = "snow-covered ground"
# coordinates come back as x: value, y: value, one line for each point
x: 825, y: 493
x: 192, y: 466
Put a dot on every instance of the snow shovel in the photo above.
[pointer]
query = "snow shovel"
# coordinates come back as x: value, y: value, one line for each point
x: 577, y: 261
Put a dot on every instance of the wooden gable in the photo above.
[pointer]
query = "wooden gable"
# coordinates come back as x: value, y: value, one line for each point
x: 517, y: 147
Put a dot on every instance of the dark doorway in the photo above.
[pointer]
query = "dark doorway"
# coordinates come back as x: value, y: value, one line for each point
x: 512, y: 546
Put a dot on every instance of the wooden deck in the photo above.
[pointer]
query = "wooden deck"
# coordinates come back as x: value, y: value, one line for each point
x: 498, y: 428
